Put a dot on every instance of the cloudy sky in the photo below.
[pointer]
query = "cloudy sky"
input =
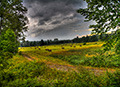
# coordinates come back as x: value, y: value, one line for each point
x: 49, y: 19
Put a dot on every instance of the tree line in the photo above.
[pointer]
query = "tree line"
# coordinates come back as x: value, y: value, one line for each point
x: 83, y: 39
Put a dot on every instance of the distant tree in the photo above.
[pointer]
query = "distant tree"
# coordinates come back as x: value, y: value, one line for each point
x: 76, y: 40
x: 34, y: 43
x: 48, y: 42
x: 28, y: 43
x: 42, y: 42
x: 56, y: 39
x: 94, y: 38
x: 12, y: 16
x: 83, y: 39
x: 87, y: 38
x: 106, y: 13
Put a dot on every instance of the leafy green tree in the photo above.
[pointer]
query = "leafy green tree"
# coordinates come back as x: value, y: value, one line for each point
x: 106, y: 14
x: 12, y: 16
x: 12, y: 27
x: 8, y: 42
x: 42, y: 42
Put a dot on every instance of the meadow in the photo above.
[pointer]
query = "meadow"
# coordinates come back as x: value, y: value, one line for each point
x: 64, y: 65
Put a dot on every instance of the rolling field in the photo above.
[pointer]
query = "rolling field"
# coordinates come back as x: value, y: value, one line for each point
x: 64, y: 54
x: 90, y: 54
x: 65, y: 65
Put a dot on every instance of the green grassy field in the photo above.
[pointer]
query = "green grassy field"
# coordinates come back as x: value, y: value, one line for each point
x: 65, y: 65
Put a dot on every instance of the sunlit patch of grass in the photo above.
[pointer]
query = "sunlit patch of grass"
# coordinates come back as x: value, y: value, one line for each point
x: 88, y: 55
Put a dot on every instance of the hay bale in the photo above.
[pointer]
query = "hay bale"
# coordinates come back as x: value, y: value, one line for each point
x: 48, y: 50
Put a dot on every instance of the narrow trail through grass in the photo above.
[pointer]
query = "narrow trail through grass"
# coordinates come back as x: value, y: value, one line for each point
x: 95, y: 70
x: 28, y: 57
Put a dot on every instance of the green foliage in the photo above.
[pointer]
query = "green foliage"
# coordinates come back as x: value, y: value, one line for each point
x: 118, y: 47
x: 84, y: 43
x: 12, y: 16
x: 102, y: 11
x: 75, y: 57
x: 24, y: 74
x: 103, y: 61
x: 106, y: 14
x: 113, y: 80
x: 8, y: 42
x: 99, y: 58
x: 7, y: 55
x: 3, y: 62
x: 20, y: 53
x: 113, y: 42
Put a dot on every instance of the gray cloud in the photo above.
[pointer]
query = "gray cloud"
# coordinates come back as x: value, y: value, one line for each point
x: 50, y: 17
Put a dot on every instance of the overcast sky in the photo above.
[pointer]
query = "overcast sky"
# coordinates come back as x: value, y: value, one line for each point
x: 49, y: 19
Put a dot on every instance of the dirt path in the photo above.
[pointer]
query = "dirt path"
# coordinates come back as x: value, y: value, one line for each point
x: 28, y: 57
x: 95, y: 70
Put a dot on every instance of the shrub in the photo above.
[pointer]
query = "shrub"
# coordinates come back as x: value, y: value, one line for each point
x: 20, y: 53
x: 8, y: 55
x: 8, y: 42
x: 84, y: 43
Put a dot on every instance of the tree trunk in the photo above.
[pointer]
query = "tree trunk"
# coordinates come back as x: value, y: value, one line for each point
x: 1, y: 23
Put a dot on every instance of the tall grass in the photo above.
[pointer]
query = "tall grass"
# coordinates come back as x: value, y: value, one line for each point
x: 90, y: 57
x: 36, y: 73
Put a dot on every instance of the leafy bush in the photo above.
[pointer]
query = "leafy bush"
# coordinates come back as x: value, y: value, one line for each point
x: 8, y: 42
x: 84, y: 43
x: 102, y: 60
x: 7, y: 55
x: 20, y: 53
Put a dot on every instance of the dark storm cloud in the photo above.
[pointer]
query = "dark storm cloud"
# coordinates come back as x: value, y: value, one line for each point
x: 50, y: 15
x: 49, y: 1
x: 56, y: 22
x: 48, y: 8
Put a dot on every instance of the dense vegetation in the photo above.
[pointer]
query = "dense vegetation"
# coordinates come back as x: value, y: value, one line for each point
x: 106, y: 15
x: 94, y: 59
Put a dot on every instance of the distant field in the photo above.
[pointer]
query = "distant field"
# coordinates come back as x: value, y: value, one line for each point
x: 51, y: 53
